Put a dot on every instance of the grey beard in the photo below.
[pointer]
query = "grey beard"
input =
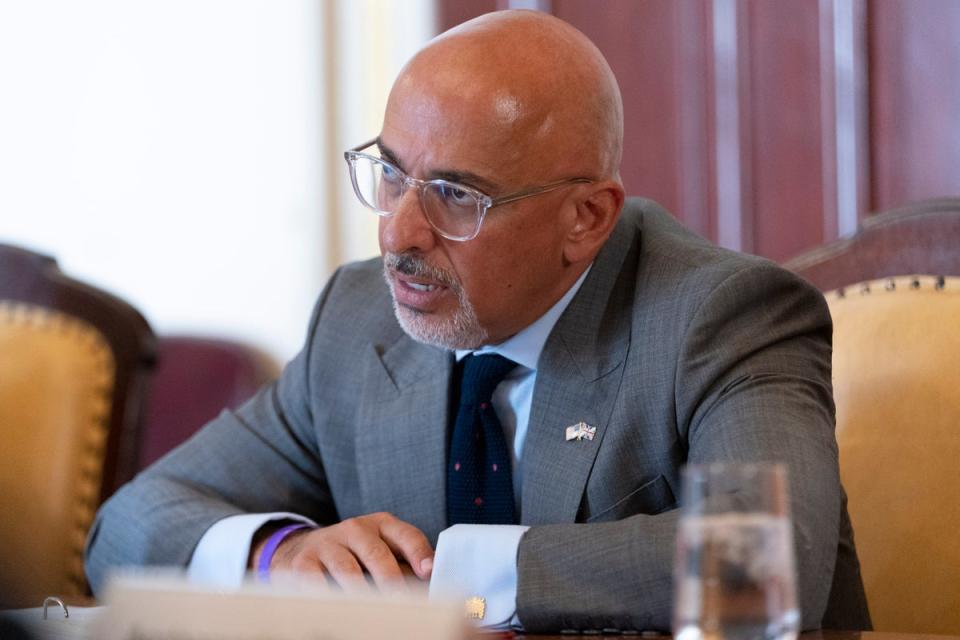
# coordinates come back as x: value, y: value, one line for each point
x: 462, y: 330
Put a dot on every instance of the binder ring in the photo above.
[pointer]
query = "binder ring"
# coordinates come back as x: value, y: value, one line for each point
x: 51, y: 599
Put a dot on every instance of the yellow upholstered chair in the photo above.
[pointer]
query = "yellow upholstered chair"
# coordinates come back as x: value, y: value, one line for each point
x: 73, y: 367
x: 896, y: 377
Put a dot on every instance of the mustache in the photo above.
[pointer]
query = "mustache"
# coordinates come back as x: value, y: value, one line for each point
x: 416, y: 267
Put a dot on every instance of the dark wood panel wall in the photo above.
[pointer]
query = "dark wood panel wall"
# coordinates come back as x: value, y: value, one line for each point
x: 775, y: 126
x: 915, y: 95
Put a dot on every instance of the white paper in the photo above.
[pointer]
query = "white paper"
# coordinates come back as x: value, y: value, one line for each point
x: 164, y: 608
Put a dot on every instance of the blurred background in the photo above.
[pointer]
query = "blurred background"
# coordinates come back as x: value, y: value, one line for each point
x: 187, y: 155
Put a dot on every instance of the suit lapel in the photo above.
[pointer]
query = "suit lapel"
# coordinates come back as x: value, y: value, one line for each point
x: 578, y: 379
x: 401, y: 441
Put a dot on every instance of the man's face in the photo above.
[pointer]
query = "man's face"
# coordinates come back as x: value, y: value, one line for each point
x: 482, y: 291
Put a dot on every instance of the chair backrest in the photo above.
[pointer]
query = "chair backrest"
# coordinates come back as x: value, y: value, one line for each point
x: 920, y: 238
x: 195, y: 379
x: 895, y: 300
x: 73, y: 372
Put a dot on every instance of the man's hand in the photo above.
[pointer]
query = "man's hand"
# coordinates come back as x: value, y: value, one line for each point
x: 374, y: 544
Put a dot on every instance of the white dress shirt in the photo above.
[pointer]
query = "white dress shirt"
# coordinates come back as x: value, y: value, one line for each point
x: 471, y: 560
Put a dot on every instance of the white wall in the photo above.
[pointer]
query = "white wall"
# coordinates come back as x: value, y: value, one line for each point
x: 187, y: 154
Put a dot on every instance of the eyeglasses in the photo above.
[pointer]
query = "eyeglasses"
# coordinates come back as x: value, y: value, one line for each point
x: 454, y: 210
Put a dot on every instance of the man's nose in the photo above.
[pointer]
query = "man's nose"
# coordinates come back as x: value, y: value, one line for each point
x: 407, y: 229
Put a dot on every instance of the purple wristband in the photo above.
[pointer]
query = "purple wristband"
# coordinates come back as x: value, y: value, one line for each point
x: 270, y: 548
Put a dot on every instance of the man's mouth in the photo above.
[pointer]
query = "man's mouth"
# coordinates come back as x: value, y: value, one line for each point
x: 417, y: 293
x: 416, y: 286
x: 417, y: 282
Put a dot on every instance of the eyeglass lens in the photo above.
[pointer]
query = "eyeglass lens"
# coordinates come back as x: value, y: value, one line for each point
x: 452, y: 210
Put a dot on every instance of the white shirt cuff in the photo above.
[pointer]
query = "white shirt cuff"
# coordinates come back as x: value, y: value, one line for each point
x: 479, y: 560
x: 220, y: 558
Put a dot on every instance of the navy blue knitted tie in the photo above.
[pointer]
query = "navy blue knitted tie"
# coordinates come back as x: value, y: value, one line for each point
x: 479, y: 487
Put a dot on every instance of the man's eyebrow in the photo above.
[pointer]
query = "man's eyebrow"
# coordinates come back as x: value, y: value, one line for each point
x: 460, y: 177
x: 387, y: 154
x: 466, y: 178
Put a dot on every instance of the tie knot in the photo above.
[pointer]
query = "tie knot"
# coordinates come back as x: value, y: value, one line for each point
x: 481, y: 375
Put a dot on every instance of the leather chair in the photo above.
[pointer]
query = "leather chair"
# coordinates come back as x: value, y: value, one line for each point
x: 195, y: 379
x: 894, y: 293
x: 73, y: 373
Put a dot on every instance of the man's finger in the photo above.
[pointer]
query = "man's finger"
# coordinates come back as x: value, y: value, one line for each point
x: 377, y: 558
x: 410, y: 543
x: 343, y: 568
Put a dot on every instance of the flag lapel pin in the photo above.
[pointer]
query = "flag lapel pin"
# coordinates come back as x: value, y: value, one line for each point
x: 580, y: 431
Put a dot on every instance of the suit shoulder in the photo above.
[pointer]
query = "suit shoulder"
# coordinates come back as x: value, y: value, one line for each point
x: 679, y: 274
x: 354, y: 302
x: 365, y: 273
x: 669, y: 247
x: 358, y: 283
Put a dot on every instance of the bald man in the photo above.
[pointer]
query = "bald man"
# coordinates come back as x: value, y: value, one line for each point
x: 625, y: 347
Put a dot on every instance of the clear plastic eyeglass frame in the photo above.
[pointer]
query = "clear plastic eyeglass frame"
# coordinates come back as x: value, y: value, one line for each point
x: 483, y: 202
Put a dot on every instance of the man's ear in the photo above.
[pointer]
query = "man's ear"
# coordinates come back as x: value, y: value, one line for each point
x: 595, y: 216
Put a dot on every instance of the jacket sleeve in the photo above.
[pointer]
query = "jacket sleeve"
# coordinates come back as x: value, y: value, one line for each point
x: 262, y: 457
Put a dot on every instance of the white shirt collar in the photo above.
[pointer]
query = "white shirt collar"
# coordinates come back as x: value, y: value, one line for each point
x: 524, y: 347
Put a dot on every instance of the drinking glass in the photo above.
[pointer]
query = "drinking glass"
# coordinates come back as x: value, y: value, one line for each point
x: 734, y: 577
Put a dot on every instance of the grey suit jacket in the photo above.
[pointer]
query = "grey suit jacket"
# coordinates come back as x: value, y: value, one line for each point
x: 674, y: 349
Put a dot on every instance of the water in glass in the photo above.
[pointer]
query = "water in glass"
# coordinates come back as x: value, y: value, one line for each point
x: 734, y: 575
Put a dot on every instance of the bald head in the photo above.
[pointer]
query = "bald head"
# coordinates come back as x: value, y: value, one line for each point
x: 538, y: 90
x: 521, y: 107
